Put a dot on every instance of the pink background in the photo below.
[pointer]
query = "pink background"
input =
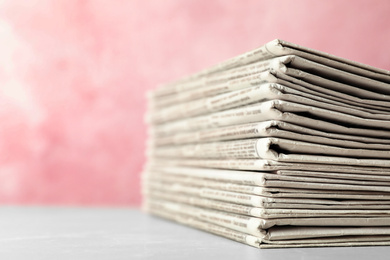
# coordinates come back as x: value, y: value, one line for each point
x: 73, y: 76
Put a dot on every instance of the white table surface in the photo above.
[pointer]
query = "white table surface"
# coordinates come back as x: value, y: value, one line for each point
x: 122, y: 233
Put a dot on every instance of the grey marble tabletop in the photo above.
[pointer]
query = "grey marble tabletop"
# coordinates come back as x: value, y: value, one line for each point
x: 124, y: 233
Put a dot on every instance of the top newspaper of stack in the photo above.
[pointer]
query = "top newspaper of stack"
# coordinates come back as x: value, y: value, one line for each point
x: 277, y: 48
x: 292, y: 69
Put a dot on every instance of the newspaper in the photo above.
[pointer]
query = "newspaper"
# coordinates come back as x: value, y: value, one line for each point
x: 266, y: 165
x: 276, y: 71
x: 267, y: 180
x: 259, y: 93
x: 256, y: 242
x: 260, y: 178
x: 271, y: 128
x: 280, y: 48
x: 249, y: 210
x: 261, y: 201
x: 364, y: 197
x: 276, y: 237
x: 372, y: 200
x: 279, y: 200
x: 289, y: 112
x: 278, y: 149
x: 252, y: 225
x: 252, y: 210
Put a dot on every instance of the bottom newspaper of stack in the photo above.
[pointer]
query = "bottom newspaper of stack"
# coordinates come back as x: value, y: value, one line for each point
x: 278, y: 205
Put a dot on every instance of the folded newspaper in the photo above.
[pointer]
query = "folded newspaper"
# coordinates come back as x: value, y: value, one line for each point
x: 282, y: 146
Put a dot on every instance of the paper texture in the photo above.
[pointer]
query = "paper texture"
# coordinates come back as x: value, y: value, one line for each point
x: 267, y: 165
x: 274, y: 49
x: 289, y: 112
x: 275, y: 237
x: 283, y: 146
x: 272, y: 128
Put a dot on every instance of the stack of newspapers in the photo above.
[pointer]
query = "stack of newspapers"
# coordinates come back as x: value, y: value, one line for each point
x: 283, y: 146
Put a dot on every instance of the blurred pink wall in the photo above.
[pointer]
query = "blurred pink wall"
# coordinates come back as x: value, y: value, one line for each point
x: 73, y: 76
